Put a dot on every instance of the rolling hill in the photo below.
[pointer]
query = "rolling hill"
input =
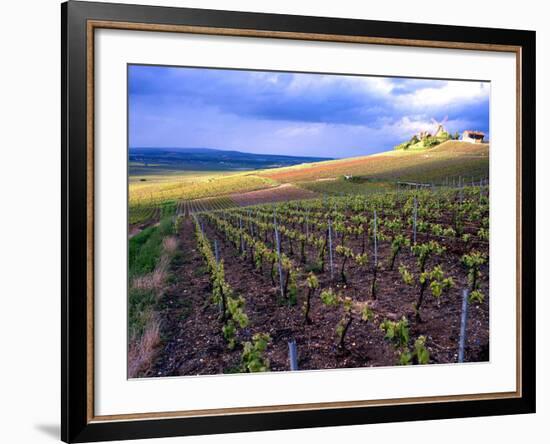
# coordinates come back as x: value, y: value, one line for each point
x: 374, y: 173
x: 449, y: 159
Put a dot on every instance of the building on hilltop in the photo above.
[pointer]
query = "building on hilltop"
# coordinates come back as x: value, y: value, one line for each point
x: 439, y: 132
x: 473, y: 136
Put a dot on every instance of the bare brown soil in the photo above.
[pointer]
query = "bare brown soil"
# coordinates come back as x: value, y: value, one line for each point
x: 282, y: 193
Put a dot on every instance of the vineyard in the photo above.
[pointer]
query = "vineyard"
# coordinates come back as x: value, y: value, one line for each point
x: 340, y: 281
x: 195, y: 191
x: 150, y: 212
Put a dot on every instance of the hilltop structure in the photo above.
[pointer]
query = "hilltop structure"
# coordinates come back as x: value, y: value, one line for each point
x: 439, y: 133
x: 427, y: 139
x: 473, y: 136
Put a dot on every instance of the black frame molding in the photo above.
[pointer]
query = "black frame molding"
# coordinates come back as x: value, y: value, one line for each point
x: 76, y: 423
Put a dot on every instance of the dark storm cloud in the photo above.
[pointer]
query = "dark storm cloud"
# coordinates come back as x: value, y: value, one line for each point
x: 293, y: 113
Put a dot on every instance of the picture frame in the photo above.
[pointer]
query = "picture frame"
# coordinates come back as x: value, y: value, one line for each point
x: 80, y: 21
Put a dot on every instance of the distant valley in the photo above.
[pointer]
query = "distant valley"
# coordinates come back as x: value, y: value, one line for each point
x: 147, y: 161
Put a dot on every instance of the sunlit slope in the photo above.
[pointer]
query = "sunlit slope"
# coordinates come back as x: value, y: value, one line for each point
x: 189, y: 186
x: 449, y: 159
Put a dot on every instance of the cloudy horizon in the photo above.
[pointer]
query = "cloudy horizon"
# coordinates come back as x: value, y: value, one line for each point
x: 296, y: 114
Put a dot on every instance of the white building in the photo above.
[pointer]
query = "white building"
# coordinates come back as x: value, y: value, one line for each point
x: 473, y: 136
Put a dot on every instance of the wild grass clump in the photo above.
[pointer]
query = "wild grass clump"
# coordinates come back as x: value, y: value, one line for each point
x: 170, y: 244
x: 153, y: 281
x: 140, y: 302
x: 141, y: 352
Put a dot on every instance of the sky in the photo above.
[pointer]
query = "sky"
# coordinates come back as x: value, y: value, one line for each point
x: 300, y: 114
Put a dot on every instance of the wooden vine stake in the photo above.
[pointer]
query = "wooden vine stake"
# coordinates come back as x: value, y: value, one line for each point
x: 241, y: 233
x: 375, y: 240
x: 463, y: 322
x: 415, y: 214
x: 293, y: 355
x: 375, y: 264
x: 280, y: 267
x: 330, y: 248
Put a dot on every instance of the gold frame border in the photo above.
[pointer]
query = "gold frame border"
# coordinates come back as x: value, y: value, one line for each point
x: 92, y: 25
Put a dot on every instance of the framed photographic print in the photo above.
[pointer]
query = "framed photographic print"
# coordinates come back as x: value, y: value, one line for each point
x: 275, y: 221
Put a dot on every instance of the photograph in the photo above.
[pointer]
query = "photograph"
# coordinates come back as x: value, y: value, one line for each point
x: 297, y: 221
x: 273, y: 220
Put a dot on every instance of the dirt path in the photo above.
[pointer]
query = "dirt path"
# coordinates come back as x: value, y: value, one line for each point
x: 281, y: 193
